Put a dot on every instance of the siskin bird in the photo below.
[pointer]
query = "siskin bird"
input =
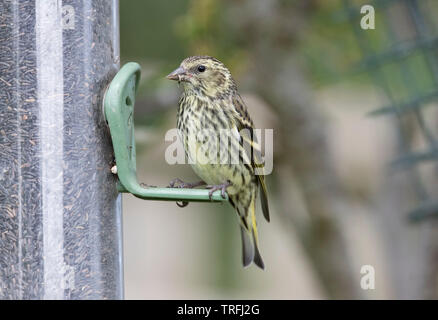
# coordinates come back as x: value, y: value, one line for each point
x: 210, y: 102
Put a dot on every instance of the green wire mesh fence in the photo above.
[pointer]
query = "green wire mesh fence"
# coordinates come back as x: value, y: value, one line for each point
x: 403, y: 62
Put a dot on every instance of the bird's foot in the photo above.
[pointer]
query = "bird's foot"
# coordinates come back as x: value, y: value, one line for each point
x: 222, y: 187
x: 182, y: 204
x: 178, y: 183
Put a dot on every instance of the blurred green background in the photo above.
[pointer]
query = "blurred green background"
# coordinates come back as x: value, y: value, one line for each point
x: 347, y: 187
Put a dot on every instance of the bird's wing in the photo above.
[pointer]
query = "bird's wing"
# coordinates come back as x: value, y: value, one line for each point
x: 243, y: 121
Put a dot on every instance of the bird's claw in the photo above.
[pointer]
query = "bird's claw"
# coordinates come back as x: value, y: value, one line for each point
x: 173, y: 182
x: 222, y: 187
x: 183, y: 204
x: 178, y: 183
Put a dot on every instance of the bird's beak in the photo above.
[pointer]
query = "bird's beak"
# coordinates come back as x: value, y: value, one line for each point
x: 176, y: 74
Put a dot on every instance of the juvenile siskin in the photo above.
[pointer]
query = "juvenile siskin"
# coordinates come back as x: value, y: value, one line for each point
x: 210, y: 103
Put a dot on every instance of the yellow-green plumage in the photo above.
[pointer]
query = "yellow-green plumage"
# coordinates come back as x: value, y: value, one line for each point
x: 211, y: 103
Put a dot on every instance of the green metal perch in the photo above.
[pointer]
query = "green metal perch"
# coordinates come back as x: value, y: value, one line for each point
x: 119, y: 113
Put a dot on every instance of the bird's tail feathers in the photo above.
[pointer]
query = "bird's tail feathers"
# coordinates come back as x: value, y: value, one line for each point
x: 258, y: 260
x: 249, y: 234
x: 247, y: 247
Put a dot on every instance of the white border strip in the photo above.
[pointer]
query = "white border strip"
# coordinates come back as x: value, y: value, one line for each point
x: 49, y: 55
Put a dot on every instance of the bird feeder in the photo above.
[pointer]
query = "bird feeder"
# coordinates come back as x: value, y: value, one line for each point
x: 60, y: 204
x: 60, y: 210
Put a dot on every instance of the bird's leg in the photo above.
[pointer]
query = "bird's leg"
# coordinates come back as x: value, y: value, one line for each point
x: 183, y: 204
x: 222, y: 187
x: 178, y: 183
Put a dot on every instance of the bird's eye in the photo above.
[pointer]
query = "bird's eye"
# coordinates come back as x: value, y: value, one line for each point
x: 201, y: 68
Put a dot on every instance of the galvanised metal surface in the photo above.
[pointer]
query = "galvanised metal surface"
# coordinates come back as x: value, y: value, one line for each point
x: 60, y: 211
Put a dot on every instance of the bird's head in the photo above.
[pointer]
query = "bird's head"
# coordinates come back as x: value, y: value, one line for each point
x: 204, y: 75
